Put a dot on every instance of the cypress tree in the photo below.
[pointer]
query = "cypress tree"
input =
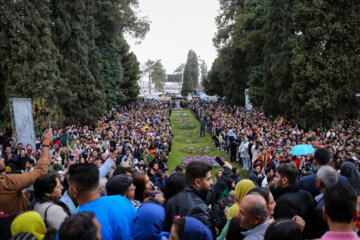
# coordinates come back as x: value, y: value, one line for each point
x: 278, y: 56
x: 73, y: 33
x: 187, y: 82
x: 190, y: 81
x: 131, y: 74
x: 7, y: 17
x: 109, y: 44
x: 32, y: 64
x: 326, y: 60
x: 192, y: 62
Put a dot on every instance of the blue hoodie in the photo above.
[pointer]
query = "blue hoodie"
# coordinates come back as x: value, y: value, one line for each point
x: 149, y: 222
x: 195, y: 230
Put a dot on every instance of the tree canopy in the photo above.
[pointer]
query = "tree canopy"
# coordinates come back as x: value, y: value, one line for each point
x: 298, y: 58
x: 70, y: 57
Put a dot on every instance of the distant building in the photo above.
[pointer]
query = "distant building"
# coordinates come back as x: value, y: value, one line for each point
x: 174, y: 77
x: 144, y: 86
x: 172, y: 86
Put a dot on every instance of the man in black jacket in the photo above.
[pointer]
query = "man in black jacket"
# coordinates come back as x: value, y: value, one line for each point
x: 196, y: 197
x: 290, y: 200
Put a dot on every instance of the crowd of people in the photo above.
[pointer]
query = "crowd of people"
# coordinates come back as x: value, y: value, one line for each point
x: 111, y: 181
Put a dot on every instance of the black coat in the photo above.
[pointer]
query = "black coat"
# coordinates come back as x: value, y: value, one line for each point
x: 291, y: 201
x: 189, y: 203
x: 319, y: 225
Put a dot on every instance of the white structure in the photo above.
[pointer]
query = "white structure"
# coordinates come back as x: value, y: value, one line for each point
x: 172, y: 87
x: 22, y: 121
x: 144, y: 86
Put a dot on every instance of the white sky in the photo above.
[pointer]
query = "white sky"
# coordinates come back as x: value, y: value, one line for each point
x: 176, y: 27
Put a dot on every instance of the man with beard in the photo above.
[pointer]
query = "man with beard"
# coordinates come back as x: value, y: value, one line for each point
x: 196, y: 197
x: 290, y: 200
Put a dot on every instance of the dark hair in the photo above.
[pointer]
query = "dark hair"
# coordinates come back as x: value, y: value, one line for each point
x: 118, y: 185
x: 289, y: 171
x: 264, y: 192
x: 56, y: 167
x: 174, y: 184
x: 178, y: 168
x: 139, y: 179
x: 179, y: 226
x: 78, y: 227
x: 196, y: 169
x: 283, y: 229
x: 30, y: 161
x: 84, y: 176
x: 322, y: 156
x: 255, y: 165
x: 122, y: 170
x: 268, y: 170
x: 340, y: 202
x: 44, y: 184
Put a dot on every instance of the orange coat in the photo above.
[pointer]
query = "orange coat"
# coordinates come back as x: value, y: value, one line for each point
x: 11, y: 197
x: 267, y: 162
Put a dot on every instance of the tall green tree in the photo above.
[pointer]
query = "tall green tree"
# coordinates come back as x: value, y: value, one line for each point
x: 73, y: 34
x: 249, y: 35
x: 114, y: 19
x: 240, y: 44
x: 31, y: 65
x: 326, y: 59
x: 193, y: 65
x: 187, y: 83
x: 278, y: 54
x: 156, y: 74
x: 190, y: 79
x: 7, y: 17
x: 131, y: 73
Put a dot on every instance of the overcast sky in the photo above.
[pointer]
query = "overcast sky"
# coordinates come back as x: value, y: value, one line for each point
x: 176, y: 27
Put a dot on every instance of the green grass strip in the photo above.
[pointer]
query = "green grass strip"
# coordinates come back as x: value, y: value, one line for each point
x: 188, y: 139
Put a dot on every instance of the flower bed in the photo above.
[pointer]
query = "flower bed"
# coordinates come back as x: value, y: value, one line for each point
x: 208, y: 159
x: 192, y: 140
x: 187, y: 132
x: 197, y: 149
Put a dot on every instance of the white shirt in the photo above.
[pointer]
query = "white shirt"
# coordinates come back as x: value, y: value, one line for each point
x: 264, y: 182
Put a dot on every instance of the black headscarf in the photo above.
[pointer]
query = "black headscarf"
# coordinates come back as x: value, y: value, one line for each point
x: 349, y: 170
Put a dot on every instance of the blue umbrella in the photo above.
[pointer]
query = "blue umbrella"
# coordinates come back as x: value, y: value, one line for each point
x: 303, y: 149
x: 156, y: 119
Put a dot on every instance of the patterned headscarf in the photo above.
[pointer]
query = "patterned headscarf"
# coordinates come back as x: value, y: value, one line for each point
x: 349, y: 170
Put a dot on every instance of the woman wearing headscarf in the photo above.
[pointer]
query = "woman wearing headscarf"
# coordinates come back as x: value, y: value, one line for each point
x: 241, y: 189
x: 149, y: 222
x: 29, y: 223
x: 349, y: 170
x: 189, y: 228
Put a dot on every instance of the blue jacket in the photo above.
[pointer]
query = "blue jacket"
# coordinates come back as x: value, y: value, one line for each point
x: 308, y: 184
x: 254, y: 177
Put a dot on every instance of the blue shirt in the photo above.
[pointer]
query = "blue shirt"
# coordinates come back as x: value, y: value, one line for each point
x: 115, y: 214
x: 68, y: 202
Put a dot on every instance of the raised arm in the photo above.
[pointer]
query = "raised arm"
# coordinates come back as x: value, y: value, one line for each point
x: 21, y: 181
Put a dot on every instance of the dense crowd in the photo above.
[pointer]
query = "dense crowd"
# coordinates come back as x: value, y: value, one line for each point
x: 111, y: 181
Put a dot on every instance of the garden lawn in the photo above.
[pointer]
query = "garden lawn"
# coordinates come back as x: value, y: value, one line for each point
x: 3, y: 125
x: 187, y: 131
